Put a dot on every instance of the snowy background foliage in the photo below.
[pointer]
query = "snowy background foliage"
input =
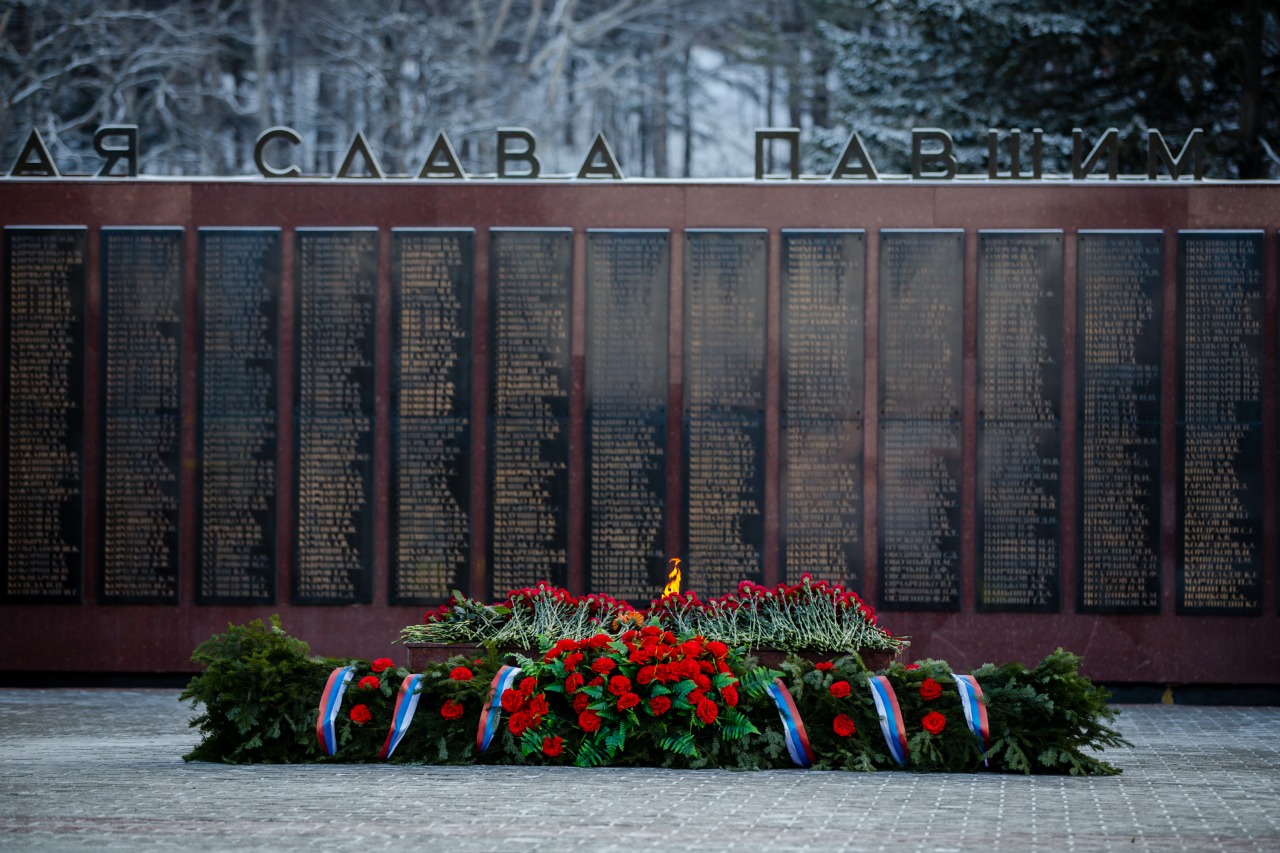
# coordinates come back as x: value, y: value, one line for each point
x: 676, y: 85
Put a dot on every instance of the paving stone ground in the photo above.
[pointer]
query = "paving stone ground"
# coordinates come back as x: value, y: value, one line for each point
x: 102, y: 770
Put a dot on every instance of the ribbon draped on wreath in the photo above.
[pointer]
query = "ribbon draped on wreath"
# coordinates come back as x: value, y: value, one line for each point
x: 331, y: 704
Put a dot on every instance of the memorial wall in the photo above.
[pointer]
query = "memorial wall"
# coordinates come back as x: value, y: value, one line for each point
x: 1012, y: 415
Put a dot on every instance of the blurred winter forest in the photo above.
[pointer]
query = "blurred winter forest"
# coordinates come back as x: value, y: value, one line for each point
x: 676, y: 85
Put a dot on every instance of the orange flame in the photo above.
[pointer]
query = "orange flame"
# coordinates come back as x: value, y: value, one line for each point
x: 673, y: 578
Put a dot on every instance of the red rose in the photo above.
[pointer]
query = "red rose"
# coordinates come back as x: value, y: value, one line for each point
x: 708, y: 711
x: 369, y: 682
x: 382, y: 663
x: 840, y: 689
x: 551, y: 746
x: 528, y: 686
x: 580, y: 702
x: 659, y: 705
x: 717, y: 649
x: 519, y: 721
x: 934, y: 722
x: 460, y: 673
x: 930, y: 689
x: 825, y: 665
x: 912, y: 666
x: 730, y: 695
x: 619, y: 684
x: 844, y: 725
x: 360, y: 715
x: 628, y: 700
x: 603, y: 666
x: 589, y: 720
x: 573, y: 682
x: 512, y: 700
x: 451, y: 709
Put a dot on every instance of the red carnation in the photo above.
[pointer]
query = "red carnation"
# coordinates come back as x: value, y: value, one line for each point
x: 382, y: 663
x: 573, y: 682
x: 589, y: 720
x: 628, y: 700
x: 934, y: 722
x: 528, y: 686
x: 519, y: 721
x: 717, y: 649
x: 659, y: 705
x: 702, y: 681
x: 360, y: 715
x: 460, y: 673
x: 619, y: 684
x: 651, y: 631
x: 730, y: 695
x: 551, y: 746
x: 572, y: 661
x: 825, y: 665
x: 451, y: 709
x: 912, y: 666
x: 708, y: 711
x: 844, y: 725
x: 512, y: 700
x: 840, y: 689
x: 580, y: 702
x: 603, y: 666
x: 706, y: 667
x: 538, y: 705
x: 930, y: 689
x: 647, y: 674
x: 369, y: 682
x: 598, y: 681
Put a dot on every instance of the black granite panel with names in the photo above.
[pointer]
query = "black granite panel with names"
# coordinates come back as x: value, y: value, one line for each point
x: 142, y: 274
x: 823, y: 283
x: 1019, y: 420
x: 238, y: 319
x: 1220, y: 517
x: 1119, y: 298
x: 336, y: 275
x: 724, y: 435
x: 431, y: 291
x: 921, y: 339
x: 42, y: 443
x: 530, y: 283
x: 628, y: 277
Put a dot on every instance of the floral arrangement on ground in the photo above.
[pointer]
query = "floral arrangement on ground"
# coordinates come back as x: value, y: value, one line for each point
x: 645, y: 696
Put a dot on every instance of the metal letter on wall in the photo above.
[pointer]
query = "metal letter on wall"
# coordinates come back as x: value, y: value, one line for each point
x: 142, y: 330
x: 1220, y: 422
x: 42, y: 407
x: 823, y: 282
x: 628, y: 277
x: 530, y: 282
x: 336, y: 274
x: 431, y: 294
x: 1019, y: 420
x: 724, y: 378
x: 238, y: 319
x: 1119, y: 297
x: 921, y: 334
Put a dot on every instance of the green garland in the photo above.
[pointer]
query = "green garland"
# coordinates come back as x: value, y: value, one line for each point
x: 647, y: 698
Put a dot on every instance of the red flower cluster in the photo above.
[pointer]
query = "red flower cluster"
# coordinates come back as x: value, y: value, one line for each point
x: 360, y: 715
x: 934, y: 722
x: 526, y: 709
x: 382, y: 664
x: 930, y: 690
x: 369, y: 682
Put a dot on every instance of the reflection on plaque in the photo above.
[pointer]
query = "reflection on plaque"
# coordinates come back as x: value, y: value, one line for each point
x: 1119, y: 303
x: 921, y: 332
x: 431, y: 288
x: 627, y: 283
x: 239, y: 306
x: 724, y: 378
x: 1220, y: 422
x: 42, y: 443
x: 530, y: 278
x: 336, y: 273
x: 142, y: 326
x: 822, y: 385
x: 1019, y: 420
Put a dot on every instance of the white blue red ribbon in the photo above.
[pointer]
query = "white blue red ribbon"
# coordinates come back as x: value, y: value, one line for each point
x: 792, y: 726
x: 491, y: 714
x: 891, y: 724
x: 330, y: 705
x: 406, y: 706
x: 975, y: 709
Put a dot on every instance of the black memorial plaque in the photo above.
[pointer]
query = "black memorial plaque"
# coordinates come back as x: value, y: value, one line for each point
x: 724, y: 380
x: 336, y: 274
x: 238, y: 319
x: 1119, y: 298
x: 1019, y: 420
x: 42, y: 444
x: 823, y: 283
x: 628, y: 276
x: 530, y: 283
x: 142, y: 331
x: 431, y: 292
x: 921, y: 337
x: 1220, y: 422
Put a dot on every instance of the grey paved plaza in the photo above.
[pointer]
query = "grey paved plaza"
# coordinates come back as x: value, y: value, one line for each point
x: 102, y: 770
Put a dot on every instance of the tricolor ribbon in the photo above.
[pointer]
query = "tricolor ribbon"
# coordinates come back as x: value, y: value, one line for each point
x: 975, y: 709
x: 792, y: 726
x: 330, y: 705
x: 406, y: 705
x: 491, y: 714
x: 891, y: 725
